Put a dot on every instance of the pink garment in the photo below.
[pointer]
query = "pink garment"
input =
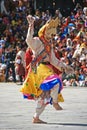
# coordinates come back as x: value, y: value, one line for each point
x: 51, y: 77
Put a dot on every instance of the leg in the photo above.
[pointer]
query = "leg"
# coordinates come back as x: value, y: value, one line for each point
x: 7, y: 72
x: 39, y: 109
x: 20, y: 79
x: 54, y: 95
x: 13, y: 72
x: 3, y: 8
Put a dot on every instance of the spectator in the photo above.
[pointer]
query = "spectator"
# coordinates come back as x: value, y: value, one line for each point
x: 81, y: 78
x: 70, y: 41
x: 10, y: 63
x: 20, y: 69
x: 20, y: 53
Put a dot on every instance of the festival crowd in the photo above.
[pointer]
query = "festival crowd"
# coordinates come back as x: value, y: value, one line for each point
x: 70, y: 43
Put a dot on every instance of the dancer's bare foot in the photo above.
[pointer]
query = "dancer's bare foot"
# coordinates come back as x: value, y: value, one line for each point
x: 37, y: 120
x: 57, y: 106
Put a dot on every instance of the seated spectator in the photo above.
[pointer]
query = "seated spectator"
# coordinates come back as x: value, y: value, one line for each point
x: 81, y: 78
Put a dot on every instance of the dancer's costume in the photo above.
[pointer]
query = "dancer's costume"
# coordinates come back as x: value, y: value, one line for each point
x: 43, y: 85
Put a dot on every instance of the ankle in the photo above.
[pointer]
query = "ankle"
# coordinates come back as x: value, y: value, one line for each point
x: 57, y: 106
x: 36, y: 118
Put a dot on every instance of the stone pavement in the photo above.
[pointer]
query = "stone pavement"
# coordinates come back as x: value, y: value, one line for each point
x: 16, y: 113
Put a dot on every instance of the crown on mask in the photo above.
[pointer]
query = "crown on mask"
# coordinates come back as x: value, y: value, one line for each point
x: 53, y: 23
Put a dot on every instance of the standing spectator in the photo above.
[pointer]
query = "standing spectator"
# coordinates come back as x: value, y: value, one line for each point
x: 10, y: 61
x: 20, y: 69
x: 21, y: 54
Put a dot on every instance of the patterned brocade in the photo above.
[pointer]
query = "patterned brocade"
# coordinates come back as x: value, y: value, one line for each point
x: 33, y: 80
